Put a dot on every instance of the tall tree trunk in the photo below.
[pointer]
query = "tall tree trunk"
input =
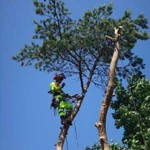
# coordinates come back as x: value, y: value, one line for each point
x: 101, y: 125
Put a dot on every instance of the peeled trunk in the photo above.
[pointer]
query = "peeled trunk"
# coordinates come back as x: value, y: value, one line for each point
x: 101, y: 125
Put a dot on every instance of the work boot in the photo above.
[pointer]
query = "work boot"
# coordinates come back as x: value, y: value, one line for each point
x: 69, y: 122
x: 68, y: 113
x: 63, y: 119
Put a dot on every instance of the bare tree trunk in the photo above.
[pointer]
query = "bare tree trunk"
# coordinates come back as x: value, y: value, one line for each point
x: 101, y: 125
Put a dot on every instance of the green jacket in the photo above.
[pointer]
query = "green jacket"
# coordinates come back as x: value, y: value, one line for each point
x: 57, y: 91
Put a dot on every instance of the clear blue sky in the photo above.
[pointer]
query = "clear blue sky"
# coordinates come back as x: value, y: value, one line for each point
x: 26, y: 123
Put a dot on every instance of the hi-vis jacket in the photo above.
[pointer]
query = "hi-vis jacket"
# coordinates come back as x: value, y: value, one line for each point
x: 57, y: 91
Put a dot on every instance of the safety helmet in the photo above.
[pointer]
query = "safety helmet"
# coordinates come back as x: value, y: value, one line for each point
x: 59, y: 76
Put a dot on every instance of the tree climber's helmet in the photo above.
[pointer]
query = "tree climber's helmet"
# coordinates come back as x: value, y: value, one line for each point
x: 60, y: 76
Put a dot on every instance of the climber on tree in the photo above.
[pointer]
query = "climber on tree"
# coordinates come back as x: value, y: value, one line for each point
x: 59, y: 98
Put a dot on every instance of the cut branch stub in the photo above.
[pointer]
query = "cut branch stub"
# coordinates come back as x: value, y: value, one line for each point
x: 117, y: 34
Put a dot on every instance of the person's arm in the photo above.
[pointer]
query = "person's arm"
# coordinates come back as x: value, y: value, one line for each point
x: 52, y: 88
x: 65, y: 94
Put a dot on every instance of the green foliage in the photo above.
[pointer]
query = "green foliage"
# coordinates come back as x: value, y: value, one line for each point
x: 132, y: 112
x: 94, y: 147
x: 78, y: 46
x: 113, y: 146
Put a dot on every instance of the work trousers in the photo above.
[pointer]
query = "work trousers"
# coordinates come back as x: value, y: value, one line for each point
x: 64, y: 108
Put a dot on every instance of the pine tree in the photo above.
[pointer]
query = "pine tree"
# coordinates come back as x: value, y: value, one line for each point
x: 79, y: 47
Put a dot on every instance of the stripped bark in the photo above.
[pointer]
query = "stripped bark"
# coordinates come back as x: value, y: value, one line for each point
x: 101, y: 125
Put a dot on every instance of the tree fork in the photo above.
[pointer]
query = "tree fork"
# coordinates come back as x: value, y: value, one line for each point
x: 64, y: 129
x: 101, y: 125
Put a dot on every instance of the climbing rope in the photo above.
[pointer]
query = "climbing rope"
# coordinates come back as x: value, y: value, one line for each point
x: 67, y: 146
x: 75, y: 129
x: 76, y: 135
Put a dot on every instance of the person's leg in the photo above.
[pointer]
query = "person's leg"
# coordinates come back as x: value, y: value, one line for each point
x: 64, y: 110
x: 61, y: 111
x: 68, y: 107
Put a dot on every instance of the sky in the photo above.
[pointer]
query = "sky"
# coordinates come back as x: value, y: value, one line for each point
x: 26, y: 122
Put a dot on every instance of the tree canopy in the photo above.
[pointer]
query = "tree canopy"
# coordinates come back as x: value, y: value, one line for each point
x: 76, y: 47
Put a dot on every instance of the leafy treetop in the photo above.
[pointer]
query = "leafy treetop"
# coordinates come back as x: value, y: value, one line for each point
x: 77, y: 47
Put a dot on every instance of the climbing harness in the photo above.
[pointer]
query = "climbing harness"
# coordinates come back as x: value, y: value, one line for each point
x: 54, y: 103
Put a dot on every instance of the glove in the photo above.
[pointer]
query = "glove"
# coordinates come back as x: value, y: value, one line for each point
x: 63, y: 84
x: 49, y: 92
x: 66, y: 95
x: 76, y: 96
